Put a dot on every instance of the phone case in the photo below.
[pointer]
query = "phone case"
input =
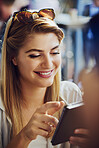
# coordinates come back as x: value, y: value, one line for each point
x: 72, y: 117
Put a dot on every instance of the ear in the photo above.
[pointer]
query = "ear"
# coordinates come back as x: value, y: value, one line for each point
x: 14, y: 61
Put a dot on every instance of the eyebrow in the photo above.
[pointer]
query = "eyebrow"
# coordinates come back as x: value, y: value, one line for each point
x: 38, y: 50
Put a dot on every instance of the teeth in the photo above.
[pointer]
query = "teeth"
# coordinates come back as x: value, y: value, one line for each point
x: 47, y: 73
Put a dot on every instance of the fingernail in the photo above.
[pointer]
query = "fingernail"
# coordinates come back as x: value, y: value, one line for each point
x: 62, y: 103
x: 76, y: 131
x: 58, y: 104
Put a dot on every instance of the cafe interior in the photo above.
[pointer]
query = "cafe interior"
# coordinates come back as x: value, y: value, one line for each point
x: 73, y: 17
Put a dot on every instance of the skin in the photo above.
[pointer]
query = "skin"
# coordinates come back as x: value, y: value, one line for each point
x: 91, y: 96
x: 6, y: 11
x: 96, y: 2
x: 91, y: 99
x: 39, y: 119
x: 80, y: 141
x: 37, y: 125
x: 41, y: 53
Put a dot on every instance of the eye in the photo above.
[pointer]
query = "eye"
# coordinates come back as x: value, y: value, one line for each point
x: 34, y: 56
x: 55, y: 53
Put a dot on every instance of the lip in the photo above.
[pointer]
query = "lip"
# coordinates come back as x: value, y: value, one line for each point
x: 45, y: 74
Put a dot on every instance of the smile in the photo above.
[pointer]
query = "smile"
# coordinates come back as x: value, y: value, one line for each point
x: 45, y: 74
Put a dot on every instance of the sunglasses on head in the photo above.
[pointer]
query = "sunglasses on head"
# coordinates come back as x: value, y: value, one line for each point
x: 26, y: 16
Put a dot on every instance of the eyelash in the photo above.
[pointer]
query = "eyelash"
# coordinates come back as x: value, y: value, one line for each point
x: 35, y: 56
x: 55, y: 53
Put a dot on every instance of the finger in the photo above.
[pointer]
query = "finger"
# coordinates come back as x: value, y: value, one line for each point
x: 53, y: 110
x: 43, y: 126
x: 82, y: 131
x: 49, y: 119
x: 40, y: 132
x: 49, y: 105
x: 44, y: 118
x: 79, y: 141
x: 34, y: 132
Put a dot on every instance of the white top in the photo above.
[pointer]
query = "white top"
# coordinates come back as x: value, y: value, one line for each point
x: 69, y: 92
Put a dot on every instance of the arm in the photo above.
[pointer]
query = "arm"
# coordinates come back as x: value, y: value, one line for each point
x: 19, y: 141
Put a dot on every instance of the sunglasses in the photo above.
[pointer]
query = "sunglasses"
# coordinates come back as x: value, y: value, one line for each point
x: 27, y: 17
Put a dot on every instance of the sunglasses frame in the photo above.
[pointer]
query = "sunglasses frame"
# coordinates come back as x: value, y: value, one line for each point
x: 35, y: 12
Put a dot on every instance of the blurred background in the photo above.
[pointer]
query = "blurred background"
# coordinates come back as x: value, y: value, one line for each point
x: 73, y: 17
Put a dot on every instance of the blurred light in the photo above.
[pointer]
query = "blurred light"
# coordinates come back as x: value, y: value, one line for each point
x: 69, y: 54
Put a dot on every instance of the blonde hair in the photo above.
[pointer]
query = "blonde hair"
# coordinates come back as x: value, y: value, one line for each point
x: 10, y: 85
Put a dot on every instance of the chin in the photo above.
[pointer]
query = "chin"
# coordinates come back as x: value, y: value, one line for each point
x: 47, y: 84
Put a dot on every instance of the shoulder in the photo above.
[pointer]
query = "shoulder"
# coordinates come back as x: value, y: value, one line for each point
x: 69, y: 85
x: 70, y: 92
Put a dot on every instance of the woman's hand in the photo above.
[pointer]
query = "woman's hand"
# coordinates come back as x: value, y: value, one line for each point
x: 82, y: 141
x: 42, y: 121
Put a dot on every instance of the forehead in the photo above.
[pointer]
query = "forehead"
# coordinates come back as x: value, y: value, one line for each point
x: 41, y: 41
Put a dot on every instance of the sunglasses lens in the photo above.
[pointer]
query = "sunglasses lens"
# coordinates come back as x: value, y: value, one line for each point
x: 28, y: 17
x: 25, y: 16
x: 48, y: 13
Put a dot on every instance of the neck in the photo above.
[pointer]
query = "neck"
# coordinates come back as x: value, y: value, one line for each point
x: 32, y: 96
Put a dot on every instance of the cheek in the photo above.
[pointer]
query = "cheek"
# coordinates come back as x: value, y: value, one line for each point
x: 58, y: 61
x: 23, y: 65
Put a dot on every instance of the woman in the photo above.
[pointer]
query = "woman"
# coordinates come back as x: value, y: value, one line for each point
x: 31, y: 80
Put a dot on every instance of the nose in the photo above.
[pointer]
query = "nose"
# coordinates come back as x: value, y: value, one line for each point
x: 47, y: 61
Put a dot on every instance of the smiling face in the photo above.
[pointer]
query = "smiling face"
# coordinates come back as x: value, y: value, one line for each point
x: 39, y: 59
